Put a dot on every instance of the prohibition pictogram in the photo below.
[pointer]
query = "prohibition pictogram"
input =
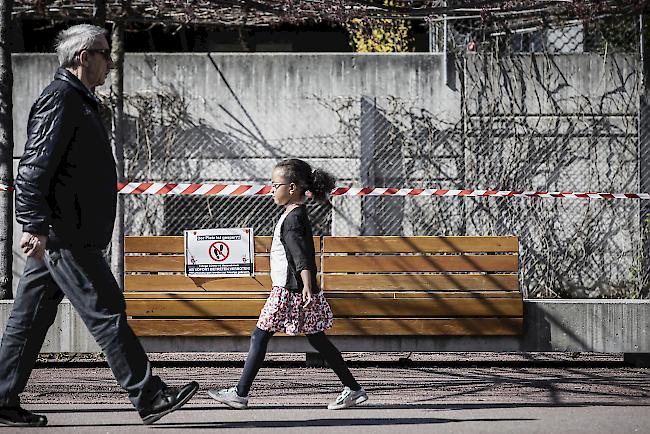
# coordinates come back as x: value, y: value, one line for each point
x: 219, y: 251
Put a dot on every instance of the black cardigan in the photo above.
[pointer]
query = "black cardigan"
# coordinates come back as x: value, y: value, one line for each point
x: 298, y: 242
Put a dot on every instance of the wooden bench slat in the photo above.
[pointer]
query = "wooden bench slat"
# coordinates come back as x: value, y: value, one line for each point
x: 177, y: 282
x: 155, y: 263
x: 174, y: 244
x: 449, y: 263
x: 263, y: 294
x: 342, y: 326
x: 342, y: 307
x: 358, y: 295
x: 331, y: 282
x: 153, y: 244
x: 424, y: 244
x: 263, y: 244
x: 409, y: 282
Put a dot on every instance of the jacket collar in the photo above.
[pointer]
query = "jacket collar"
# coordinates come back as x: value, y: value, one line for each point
x: 65, y: 75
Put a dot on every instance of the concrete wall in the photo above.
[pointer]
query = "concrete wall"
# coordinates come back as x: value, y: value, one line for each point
x: 273, y: 96
x: 230, y: 117
x: 608, y: 326
x: 526, y: 123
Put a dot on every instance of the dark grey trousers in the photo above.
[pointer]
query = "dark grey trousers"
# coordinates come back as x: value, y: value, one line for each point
x: 84, y: 277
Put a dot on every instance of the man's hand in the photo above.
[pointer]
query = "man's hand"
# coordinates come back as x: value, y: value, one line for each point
x: 33, y: 245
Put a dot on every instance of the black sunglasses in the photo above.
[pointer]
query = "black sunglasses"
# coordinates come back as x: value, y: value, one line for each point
x: 106, y: 52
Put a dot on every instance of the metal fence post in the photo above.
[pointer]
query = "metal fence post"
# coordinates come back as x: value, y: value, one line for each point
x: 644, y: 154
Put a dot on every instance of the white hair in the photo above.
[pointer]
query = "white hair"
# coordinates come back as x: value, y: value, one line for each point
x: 71, y: 41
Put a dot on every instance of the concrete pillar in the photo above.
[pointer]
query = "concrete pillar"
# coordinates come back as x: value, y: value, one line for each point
x: 368, y: 222
x: 382, y: 165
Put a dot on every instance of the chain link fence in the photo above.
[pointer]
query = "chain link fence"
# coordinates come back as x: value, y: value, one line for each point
x: 545, y: 109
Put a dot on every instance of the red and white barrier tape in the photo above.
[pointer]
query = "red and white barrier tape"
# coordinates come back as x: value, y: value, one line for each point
x: 373, y: 191
x: 193, y: 189
x: 253, y: 190
x: 160, y: 188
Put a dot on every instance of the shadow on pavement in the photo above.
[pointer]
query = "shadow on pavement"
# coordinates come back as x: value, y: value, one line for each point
x: 442, y: 406
x: 333, y: 422
x: 305, y: 423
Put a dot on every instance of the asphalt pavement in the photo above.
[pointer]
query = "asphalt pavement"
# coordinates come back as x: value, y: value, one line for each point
x: 442, y: 393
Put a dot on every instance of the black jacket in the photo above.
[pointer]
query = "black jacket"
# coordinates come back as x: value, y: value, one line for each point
x: 297, y: 239
x: 66, y: 181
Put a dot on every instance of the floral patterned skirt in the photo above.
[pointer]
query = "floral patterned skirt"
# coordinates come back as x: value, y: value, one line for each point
x: 284, y: 312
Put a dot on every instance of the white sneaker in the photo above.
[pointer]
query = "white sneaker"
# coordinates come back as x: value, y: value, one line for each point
x: 229, y: 397
x: 348, y: 398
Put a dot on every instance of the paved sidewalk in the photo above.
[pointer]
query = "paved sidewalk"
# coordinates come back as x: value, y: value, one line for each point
x: 454, y: 418
x: 435, y: 393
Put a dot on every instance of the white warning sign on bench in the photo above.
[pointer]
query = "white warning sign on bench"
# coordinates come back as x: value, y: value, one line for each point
x: 225, y: 252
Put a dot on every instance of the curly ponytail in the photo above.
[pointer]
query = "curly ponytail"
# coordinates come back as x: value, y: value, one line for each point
x: 319, y: 182
x: 322, y: 184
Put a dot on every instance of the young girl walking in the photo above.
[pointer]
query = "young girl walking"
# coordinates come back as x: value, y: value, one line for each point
x: 296, y: 303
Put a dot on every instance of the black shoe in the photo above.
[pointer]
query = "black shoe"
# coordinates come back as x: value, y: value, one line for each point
x: 169, y: 399
x: 18, y: 416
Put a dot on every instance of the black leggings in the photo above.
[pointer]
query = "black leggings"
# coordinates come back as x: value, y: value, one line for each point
x: 320, y: 342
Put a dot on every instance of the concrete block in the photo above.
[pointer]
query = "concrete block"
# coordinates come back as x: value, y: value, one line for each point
x: 609, y: 326
x: 68, y: 334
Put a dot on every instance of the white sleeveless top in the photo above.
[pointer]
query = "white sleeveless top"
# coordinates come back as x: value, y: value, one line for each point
x: 279, y: 264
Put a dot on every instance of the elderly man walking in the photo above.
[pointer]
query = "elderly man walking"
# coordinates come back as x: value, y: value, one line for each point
x: 66, y: 201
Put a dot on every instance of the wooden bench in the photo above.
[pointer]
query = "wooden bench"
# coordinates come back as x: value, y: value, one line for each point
x: 377, y: 286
